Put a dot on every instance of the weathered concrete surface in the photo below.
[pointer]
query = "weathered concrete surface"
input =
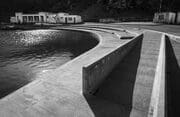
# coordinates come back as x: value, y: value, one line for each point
x: 95, y: 73
x: 110, y: 28
x: 59, y: 92
x: 140, y: 26
x: 157, y: 104
x: 131, y: 83
x: 169, y: 29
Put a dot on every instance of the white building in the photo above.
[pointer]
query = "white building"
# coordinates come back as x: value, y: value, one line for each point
x: 60, y: 17
x: 29, y: 18
x: 69, y: 19
x: 13, y: 19
x: 45, y: 17
x: 51, y: 18
x: 164, y: 17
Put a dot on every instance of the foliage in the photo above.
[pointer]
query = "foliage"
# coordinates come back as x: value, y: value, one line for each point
x: 80, y: 6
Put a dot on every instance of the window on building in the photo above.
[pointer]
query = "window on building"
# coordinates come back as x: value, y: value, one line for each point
x: 42, y: 19
x: 36, y: 18
x: 161, y: 17
x: 30, y: 18
x: 70, y: 18
x: 24, y: 18
x: 18, y: 19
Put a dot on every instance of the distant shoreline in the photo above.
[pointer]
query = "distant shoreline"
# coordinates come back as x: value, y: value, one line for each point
x: 23, y: 26
x: 9, y: 26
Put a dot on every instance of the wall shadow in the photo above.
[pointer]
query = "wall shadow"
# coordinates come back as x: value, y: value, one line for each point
x: 117, y: 89
x: 172, y: 78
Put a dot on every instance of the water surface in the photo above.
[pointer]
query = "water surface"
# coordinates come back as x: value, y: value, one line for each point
x: 25, y: 55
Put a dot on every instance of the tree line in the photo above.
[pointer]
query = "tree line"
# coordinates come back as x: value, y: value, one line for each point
x: 8, y: 7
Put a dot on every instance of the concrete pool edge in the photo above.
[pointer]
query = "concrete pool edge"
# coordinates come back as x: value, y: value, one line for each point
x: 37, y: 92
x: 95, y: 73
x: 10, y: 109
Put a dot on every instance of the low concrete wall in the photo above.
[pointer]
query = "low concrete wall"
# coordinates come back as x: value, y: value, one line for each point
x: 157, y: 104
x: 95, y: 73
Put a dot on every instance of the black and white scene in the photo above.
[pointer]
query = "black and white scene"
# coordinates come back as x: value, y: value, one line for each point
x: 89, y: 58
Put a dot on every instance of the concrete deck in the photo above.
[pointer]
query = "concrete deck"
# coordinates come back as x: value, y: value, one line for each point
x: 59, y: 92
x: 126, y: 92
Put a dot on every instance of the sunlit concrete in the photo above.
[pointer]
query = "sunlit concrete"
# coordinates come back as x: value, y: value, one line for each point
x: 59, y: 92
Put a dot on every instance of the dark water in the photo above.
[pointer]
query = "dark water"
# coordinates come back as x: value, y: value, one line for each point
x: 25, y: 55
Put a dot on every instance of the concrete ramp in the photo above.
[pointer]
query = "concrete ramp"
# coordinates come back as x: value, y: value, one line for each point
x: 144, y: 82
x: 131, y: 82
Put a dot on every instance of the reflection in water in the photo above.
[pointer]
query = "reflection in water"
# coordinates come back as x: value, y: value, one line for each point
x: 24, y: 55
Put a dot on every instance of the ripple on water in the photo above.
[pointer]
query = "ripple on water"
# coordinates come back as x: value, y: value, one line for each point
x: 27, y: 55
x: 24, y: 55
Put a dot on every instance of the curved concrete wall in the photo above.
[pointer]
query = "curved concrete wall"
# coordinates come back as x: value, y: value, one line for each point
x: 95, y: 73
x: 70, y: 39
x: 61, y: 91
x: 78, y: 41
x: 75, y: 42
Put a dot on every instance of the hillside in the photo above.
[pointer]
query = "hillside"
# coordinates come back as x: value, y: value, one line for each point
x: 89, y: 9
